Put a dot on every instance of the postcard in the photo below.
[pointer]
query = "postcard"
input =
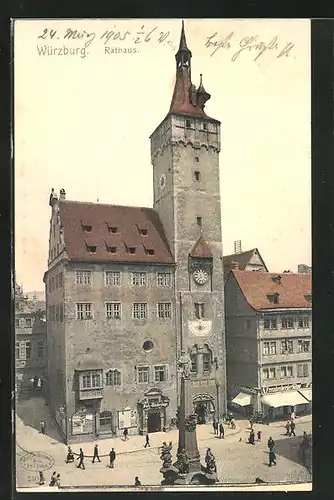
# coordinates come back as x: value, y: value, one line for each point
x: 163, y: 299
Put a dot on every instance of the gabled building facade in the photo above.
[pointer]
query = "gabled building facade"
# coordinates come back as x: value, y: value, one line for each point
x: 269, y: 342
x: 30, y: 344
x: 249, y: 260
x: 129, y: 288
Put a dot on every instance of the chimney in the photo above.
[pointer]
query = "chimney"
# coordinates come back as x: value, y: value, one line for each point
x: 235, y: 265
x: 237, y: 246
x: 62, y: 194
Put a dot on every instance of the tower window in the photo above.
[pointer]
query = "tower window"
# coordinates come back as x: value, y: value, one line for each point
x: 199, y: 221
x: 197, y: 175
x: 205, y: 126
x: 196, y: 158
x: 199, y: 310
x: 188, y: 124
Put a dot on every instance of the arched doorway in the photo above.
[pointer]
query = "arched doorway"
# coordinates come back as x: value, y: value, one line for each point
x: 204, y: 408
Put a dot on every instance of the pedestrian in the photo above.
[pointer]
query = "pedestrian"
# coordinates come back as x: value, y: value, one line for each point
x: 53, y: 479
x: 232, y: 423
x: 251, y: 439
x: 96, y: 454
x: 251, y: 423
x: 112, y: 457
x: 272, y: 458
x: 259, y: 435
x: 125, y: 434
x: 81, y: 458
x: 41, y: 478
x: 221, y: 431
x: 292, y: 429
x: 137, y: 482
x: 292, y: 416
x: 288, y: 427
x: 42, y: 427
x: 214, y: 425
x: 57, y: 480
x: 147, y: 444
x: 271, y: 443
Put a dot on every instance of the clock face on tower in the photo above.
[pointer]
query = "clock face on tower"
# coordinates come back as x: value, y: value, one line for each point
x: 200, y: 276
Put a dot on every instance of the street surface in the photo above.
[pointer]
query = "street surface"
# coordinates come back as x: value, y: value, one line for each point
x: 237, y: 461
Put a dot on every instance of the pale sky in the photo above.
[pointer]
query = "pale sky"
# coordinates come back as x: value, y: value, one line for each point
x: 83, y: 124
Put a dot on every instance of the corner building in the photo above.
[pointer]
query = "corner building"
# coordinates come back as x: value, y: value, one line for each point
x: 129, y: 288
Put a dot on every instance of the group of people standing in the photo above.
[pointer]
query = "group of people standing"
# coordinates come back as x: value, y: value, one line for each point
x: 218, y: 429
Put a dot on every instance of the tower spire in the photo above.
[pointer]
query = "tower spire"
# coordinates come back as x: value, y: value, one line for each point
x: 186, y: 98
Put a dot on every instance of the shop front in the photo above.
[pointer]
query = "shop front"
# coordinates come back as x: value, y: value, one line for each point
x: 280, y: 402
x: 152, y: 412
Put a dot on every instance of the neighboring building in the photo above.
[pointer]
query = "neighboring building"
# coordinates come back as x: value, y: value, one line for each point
x: 304, y: 269
x: 129, y: 288
x: 30, y: 343
x: 269, y: 341
x: 250, y: 260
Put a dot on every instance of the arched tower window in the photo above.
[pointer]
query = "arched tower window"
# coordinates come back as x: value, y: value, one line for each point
x: 207, y: 359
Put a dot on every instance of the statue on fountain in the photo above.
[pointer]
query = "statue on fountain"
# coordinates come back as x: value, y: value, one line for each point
x: 166, y: 455
x: 210, y: 462
x: 182, y: 463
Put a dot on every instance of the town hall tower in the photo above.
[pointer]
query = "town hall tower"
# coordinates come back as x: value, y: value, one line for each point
x: 185, y: 157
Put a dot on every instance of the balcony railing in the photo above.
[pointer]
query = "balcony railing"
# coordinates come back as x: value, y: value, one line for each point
x: 91, y: 394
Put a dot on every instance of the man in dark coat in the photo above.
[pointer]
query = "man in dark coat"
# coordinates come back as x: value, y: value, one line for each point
x: 81, y: 458
x: 137, y: 482
x: 125, y: 434
x: 221, y: 431
x: 147, y: 444
x: 251, y: 438
x: 96, y: 453
x: 112, y: 457
x: 292, y: 428
x: 215, y: 426
x: 272, y: 458
x: 271, y: 443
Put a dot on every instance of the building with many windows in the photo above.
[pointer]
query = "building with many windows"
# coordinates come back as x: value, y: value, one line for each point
x: 30, y: 343
x: 129, y: 289
x: 269, y: 342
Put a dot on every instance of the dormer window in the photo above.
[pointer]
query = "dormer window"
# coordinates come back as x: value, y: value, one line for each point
x: 112, y: 229
x: 91, y: 249
x: 142, y: 231
x: 111, y: 249
x: 308, y: 297
x: 132, y: 250
x: 277, y: 279
x: 87, y: 228
x: 149, y: 251
x: 273, y: 298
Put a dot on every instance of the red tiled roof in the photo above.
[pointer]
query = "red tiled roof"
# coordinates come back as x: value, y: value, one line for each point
x: 292, y: 289
x: 181, y: 97
x: 126, y: 220
x: 201, y: 249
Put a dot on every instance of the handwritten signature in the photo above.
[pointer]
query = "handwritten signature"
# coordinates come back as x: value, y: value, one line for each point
x: 247, y: 44
x: 108, y: 36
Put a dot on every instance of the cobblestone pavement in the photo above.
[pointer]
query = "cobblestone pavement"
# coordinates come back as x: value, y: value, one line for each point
x: 237, y: 461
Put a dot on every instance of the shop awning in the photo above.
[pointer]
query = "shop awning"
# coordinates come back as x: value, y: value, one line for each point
x: 288, y: 398
x: 307, y: 393
x: 242, y: 399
